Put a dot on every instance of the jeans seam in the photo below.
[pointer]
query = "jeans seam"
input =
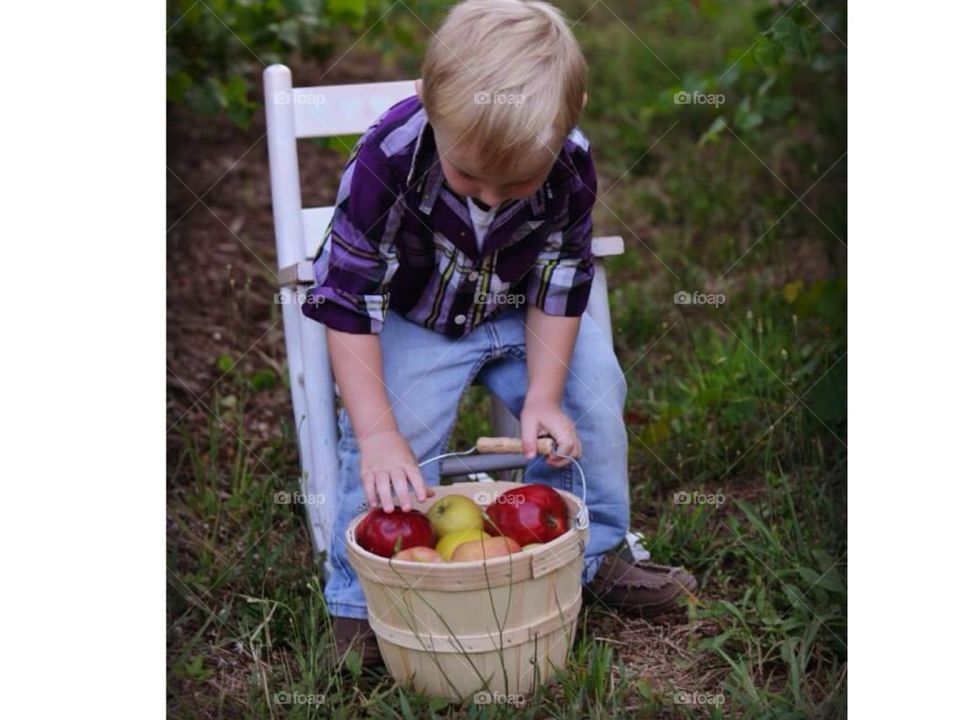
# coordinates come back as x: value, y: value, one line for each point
x: 515, y: 352
x: 494, y: 339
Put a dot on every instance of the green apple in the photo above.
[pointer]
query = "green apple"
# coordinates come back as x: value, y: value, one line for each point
x: 450, y: 542
x: 455, y: 513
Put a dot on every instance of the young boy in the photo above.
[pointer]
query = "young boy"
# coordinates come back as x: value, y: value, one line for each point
x: 466, y: 210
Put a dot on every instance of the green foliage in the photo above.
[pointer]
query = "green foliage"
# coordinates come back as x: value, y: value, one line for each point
x: 752, y: 384
x: 215, y: 48
x: 781, y: 567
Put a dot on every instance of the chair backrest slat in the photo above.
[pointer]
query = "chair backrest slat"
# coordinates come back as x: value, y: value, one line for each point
x: 330, y: 110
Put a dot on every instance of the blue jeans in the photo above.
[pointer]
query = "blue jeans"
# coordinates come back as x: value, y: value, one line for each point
x: 426, y: 373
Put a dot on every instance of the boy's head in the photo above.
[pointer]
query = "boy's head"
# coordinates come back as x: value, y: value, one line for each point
x: 503, y: 85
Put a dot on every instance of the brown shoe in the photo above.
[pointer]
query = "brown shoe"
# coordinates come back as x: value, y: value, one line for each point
x: 644, y: 589
x: 350, y: 634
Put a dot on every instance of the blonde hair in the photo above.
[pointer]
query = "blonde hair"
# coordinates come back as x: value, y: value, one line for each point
x: 509, y: 76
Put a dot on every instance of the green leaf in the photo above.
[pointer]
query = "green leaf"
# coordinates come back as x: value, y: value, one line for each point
x: 758, y: 524
x: 788, y: 34
x: 716, y: 642
x: 343, y: 144
x: 353, y: 664
x: 767, y: 52
x: 828, y: 398
x: 832, y: 581
x: 713, y: 132
x: 206, y: 98
x: 438, y: 703
x: 746, y: 119
x: 177, y: 86
x: 225, y: 363
x: 264, y: 379
x: 240, y: 115
x: 348, y: 11
x: 405, y: 707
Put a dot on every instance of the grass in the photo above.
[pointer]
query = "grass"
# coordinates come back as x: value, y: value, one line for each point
x: 720, y: 417
x: 736, y: 417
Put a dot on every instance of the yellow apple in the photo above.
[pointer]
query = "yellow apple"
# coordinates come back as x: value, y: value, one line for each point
x: 448, y: 543
x: 484, y: 549
x: 455, y: 513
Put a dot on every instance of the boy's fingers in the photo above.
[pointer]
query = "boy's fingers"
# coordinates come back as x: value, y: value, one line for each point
x: 528, y: 436
x: 416, y: 479
x: 399, y: 479
x: 369, y: 490
x: 557, y: 462
x: 383, y: 488
x: 565, y: 444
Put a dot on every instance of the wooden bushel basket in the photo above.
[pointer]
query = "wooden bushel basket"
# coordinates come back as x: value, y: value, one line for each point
x: 502, y: 625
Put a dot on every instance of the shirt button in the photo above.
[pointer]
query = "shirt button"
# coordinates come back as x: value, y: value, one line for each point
x: 460, y: 319
x: 473, y: 276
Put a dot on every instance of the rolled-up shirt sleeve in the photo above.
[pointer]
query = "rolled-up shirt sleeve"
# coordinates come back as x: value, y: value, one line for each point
x: 560, y: 280
x: 358, y: 257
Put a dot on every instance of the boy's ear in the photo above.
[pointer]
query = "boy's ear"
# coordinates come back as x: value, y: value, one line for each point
x: 581, y: 107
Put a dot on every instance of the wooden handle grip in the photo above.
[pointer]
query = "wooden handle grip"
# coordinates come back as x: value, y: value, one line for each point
x: 511, y: 445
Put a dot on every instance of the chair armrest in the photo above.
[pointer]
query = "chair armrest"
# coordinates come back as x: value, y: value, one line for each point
x: 607, y: 245
x: 299, y: 274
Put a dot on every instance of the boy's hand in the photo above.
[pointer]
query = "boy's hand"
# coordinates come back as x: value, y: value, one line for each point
x: 546, y: 417
x: 386, y: 461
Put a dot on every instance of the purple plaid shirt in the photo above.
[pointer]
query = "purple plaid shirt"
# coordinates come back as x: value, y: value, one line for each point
x: 400, y: 237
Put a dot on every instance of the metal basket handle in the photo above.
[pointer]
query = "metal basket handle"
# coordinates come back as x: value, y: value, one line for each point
x: 545, y: 446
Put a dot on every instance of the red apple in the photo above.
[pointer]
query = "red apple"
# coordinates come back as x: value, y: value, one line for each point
x: 529, y: 514
x: 384, y: 533
x: 419, y: 554
x: 485, y: 549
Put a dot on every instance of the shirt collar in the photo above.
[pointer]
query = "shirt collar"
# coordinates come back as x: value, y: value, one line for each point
x: 426, y: 176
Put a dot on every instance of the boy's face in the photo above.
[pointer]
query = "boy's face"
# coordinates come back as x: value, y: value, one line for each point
x: 466, y: 175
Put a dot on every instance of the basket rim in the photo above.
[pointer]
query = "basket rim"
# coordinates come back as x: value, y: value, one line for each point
x: 571, y: 534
